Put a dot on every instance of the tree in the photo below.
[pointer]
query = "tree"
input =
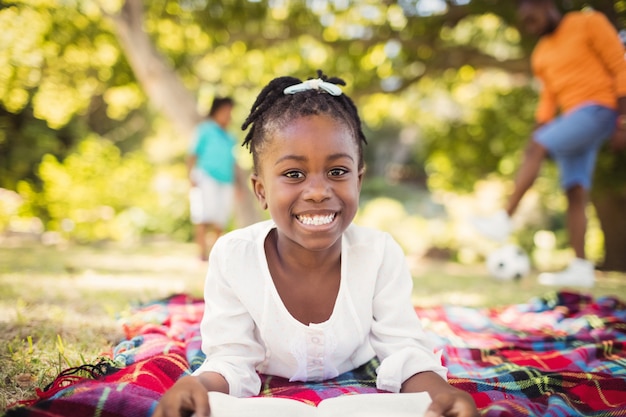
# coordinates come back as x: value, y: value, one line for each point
x: 437, y: 66
x: 394, y: 46
x: 166, y: 91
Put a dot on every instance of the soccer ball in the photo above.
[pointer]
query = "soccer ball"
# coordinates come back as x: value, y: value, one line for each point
x: 508, y: 262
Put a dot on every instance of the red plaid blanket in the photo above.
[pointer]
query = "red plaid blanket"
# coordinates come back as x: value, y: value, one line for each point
x: 560, y: 355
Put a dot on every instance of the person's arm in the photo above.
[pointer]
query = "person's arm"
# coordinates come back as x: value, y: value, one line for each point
x: 195, y: 148
x: 396, y: 333
x: 546, y: 107
x: 618, y: 140
x: 408, y: 361
x: 227, y: 327
x: 191, y: 163
x: 232, y: 351
x: 447, y: 400
x: 608, y: 46
x: 189, y: 395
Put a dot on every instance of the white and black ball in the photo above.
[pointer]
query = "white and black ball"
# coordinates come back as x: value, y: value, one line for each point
x: 508, y: 262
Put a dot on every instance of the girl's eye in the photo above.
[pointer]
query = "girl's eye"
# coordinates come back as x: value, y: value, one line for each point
x: 294, y: 174
x: 337, y: 172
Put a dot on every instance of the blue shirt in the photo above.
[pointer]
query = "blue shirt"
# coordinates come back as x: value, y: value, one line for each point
x: 213, y: 147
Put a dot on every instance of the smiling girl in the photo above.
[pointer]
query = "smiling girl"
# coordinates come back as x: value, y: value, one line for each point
x: 308, y: 295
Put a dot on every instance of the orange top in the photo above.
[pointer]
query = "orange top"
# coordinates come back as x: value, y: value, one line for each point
x: 581, y: 61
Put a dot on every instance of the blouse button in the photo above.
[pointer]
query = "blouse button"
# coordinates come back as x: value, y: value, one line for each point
x: 315, y: 340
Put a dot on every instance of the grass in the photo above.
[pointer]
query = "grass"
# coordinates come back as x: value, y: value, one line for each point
x: 59, y: 306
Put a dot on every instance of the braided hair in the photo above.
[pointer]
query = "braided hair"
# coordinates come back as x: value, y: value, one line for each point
x: 273, y: 109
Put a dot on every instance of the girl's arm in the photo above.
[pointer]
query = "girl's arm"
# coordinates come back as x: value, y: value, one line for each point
x: 447, y: 400
x: 227, y: 327
x: 212, y: 381
x: 232, y: 351
x: 396, y: 334
x: 189, y: 395
x: 408, y: 363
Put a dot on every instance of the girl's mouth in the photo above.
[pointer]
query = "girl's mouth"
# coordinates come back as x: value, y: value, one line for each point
x: 316, y: 220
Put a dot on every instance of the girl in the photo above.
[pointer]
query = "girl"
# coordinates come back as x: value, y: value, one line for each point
x: 308, y: 295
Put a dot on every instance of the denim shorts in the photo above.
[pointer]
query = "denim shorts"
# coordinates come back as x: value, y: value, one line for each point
x: 574, y: 139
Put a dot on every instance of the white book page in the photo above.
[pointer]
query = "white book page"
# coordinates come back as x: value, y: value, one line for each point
x: 224, y: 405
x: 361, y: 405
x: 376, y: 405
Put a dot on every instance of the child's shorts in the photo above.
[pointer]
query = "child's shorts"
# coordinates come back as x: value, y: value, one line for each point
x: 210, y: 201
x: 574, y: 139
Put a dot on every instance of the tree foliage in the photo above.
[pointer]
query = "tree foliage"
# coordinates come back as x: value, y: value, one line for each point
x: 440, y: 84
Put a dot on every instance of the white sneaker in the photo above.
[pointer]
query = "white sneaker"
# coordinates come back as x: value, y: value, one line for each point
x: 497, y: 227
x: 579, y: 273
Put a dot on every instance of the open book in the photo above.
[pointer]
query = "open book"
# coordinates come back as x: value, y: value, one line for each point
x: 357, y: 405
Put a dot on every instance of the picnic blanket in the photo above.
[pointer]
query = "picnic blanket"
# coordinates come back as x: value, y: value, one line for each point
x: 559, y: 355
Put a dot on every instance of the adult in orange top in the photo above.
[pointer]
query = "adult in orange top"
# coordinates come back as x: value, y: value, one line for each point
x: 579, y: 60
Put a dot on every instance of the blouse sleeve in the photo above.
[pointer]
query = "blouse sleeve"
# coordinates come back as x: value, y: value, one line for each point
x: 228, y: 330
x: 397, y: 335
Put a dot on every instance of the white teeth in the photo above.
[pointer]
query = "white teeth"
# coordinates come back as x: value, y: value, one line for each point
x: 316, y: 220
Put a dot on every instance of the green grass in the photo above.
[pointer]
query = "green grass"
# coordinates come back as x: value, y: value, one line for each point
x: 438, y: 283
x: 59, y: 306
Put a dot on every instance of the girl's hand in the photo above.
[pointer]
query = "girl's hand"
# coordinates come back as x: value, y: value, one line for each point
x: 447, y: 400
x: 187, y: 396
x: 455, y: 403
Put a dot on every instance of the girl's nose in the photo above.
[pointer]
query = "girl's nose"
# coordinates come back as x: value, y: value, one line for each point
x: 317, y: 188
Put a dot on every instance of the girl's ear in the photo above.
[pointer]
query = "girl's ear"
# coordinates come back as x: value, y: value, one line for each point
x: 259, y: 190
x: 361, y: 174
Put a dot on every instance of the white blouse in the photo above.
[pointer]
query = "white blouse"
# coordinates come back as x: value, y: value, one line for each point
x: 246, y: 327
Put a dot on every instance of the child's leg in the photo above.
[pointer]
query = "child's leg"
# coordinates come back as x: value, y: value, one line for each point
x: 200, y: 235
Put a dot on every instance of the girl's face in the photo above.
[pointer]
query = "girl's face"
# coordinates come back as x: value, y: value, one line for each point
x: 309, y: 179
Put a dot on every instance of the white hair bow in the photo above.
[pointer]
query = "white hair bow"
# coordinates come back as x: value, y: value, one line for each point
x: 314, y: 84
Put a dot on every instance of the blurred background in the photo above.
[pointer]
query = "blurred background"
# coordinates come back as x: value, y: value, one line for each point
x: 98, y: 99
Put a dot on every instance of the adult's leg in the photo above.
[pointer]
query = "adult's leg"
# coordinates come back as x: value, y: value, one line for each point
x: 499, y: 226
x: 577, y: 219
x: 579, y: 272
x: 533, y: 158
x: 575, y: 156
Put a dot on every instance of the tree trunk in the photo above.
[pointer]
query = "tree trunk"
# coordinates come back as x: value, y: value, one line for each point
x: 611, y: 210
x: 159, y: 81
x: 167, y: 93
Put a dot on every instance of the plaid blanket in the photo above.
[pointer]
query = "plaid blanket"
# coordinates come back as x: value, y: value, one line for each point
x: 559, y: 355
